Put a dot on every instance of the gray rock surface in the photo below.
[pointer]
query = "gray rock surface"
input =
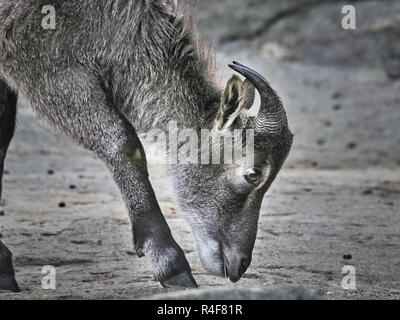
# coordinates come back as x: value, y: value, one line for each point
x: 255, y: 293
x: 304, y: 30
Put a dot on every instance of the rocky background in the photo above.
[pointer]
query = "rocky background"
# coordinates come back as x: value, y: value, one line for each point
x: 335, y: 203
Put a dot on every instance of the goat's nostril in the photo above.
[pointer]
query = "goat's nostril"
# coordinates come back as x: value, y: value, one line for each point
x: 244, y: 265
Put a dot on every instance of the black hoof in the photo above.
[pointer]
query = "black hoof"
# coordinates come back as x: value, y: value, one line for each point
x: 7, y: 279
x: 8, y: 283
x: 184, y: 279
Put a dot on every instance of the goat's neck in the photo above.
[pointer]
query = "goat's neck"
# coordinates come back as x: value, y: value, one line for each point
x: 190, y: 102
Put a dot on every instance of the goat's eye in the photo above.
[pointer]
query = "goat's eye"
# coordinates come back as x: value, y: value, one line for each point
x: 252, y: 175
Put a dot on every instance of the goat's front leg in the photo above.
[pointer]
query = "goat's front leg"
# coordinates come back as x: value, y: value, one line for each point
x: 150, y: 230
x: 75, y: 104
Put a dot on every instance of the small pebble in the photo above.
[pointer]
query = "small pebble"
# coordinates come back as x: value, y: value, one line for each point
x: 1, y: 213
x: 336, y: 95
x: 337, y: 107
x: 351, y: 146
x: 321, y: 141
x: 317, y: 84
x: 368, y: 192
x: 72, y: 186
x: 6, y: 172
x: 347, y: 256
x: 50, y: 172
x: 44, y: 152
x: 62, y: 205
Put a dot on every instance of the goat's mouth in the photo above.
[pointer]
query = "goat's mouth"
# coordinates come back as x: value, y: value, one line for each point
x: 225, y: 271
x: 222, y: 261
x: 229, y: 275
x: 215, y: 263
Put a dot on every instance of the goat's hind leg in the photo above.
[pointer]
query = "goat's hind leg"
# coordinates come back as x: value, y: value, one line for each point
x: 7, y: 275
x: 8, y: 107
x: 8, y: 103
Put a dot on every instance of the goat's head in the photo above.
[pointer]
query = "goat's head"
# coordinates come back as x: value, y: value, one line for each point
x: 222, y: 202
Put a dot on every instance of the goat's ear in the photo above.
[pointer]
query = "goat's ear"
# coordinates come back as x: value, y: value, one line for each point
x: 231, y: 103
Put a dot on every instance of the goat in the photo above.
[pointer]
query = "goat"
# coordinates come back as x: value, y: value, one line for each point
x: 114, y: 69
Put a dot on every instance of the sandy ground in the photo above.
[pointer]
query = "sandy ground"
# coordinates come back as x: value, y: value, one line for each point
x: 337, y: 195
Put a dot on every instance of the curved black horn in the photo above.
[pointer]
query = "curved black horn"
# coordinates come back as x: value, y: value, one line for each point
x: 272, y: 116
